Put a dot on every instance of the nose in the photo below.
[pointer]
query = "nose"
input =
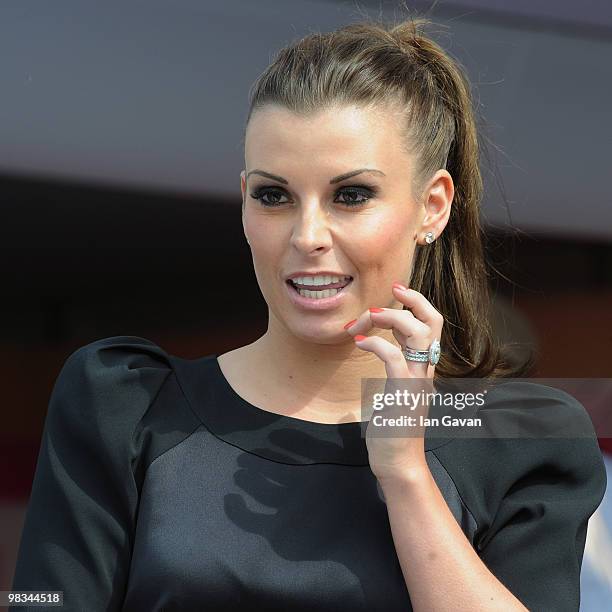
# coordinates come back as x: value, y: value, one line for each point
x: 311, y: 230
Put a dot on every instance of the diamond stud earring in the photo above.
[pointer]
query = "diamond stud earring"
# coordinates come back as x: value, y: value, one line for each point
x: 429, y: 237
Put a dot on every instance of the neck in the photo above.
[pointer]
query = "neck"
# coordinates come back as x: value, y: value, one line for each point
x: 316, y: 381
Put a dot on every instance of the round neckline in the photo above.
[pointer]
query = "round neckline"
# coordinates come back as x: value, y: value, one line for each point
x: 277, y: 437
x: 249, y: 406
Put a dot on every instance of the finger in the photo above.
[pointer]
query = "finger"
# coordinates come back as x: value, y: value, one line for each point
x: 361, y: 325
x: 420, y: 306
x: 395, y: 363
x: 418, y: 333
x: 364, y: 323
x: 418, y: 369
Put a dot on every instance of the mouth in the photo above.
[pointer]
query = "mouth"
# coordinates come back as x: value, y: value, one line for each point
x: 320, y: 292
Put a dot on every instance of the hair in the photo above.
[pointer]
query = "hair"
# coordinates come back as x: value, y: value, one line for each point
x: 375, y: 64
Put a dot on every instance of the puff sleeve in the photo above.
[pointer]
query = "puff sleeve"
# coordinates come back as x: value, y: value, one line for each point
x: 80, y: 520
x: 540, y: 500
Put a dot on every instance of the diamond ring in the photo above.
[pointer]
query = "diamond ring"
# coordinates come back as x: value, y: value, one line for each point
x: 432, y: 355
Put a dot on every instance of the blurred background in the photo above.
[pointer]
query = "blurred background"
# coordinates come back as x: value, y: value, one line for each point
x: 121, y: 128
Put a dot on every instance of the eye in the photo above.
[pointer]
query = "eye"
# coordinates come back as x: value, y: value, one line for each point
x: 365, y: 192
x: 260, y: 193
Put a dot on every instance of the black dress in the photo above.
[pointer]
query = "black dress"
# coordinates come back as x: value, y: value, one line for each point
x: 158, y: 487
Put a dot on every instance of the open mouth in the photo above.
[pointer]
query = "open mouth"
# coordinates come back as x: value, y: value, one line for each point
x: 319, y: 292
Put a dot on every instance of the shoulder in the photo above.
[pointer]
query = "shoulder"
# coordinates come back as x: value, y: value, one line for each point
x: 528, y: 397
x: 105, y: 387
x: 113, y: 363
x: 132, y: 352
x: 541, y: 434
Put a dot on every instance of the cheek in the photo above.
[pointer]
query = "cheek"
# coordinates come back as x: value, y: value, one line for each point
x: 264, y: 235
x: 267, y: 242
x: 381, y: 240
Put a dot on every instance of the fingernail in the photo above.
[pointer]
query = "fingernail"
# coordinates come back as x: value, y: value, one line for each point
x: 360, y: 337
x: 400, y: 286
x: 377, y: 309
x: 349, y: 323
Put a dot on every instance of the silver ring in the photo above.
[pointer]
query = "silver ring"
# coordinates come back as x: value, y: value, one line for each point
x: 432, y: 355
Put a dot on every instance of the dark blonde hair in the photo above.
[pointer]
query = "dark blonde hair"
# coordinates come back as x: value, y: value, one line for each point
x: 374, y: 64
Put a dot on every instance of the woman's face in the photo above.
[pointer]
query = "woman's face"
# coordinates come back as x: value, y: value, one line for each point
x: 309, y: 220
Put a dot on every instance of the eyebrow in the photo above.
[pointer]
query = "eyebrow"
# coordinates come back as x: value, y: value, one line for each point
x: 336, y: 179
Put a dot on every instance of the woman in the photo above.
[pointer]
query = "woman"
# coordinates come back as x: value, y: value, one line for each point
x: 250, y: 480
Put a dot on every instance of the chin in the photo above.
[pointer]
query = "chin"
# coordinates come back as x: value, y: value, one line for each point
x: 322, y: 332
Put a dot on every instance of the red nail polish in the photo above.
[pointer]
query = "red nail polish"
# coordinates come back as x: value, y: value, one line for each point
x: 360, y: 337
x: 377, y: 309
x: 349, y: 323
x: 400, y: 286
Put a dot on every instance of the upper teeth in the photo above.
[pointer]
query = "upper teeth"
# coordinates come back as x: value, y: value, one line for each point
x: 319, y: 280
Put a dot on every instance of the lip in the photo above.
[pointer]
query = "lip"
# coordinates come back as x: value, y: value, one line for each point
x: 317, y: 273
x: 314, y: 304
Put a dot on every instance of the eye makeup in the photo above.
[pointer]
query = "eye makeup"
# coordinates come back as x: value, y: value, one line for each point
x: 364, y: 193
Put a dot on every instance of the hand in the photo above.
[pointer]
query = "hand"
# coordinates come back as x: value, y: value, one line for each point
x: 416, y: 328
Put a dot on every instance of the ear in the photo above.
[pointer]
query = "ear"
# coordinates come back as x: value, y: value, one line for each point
x: 243, y: 191
x: 243, y: 187
x: 437, y: 202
